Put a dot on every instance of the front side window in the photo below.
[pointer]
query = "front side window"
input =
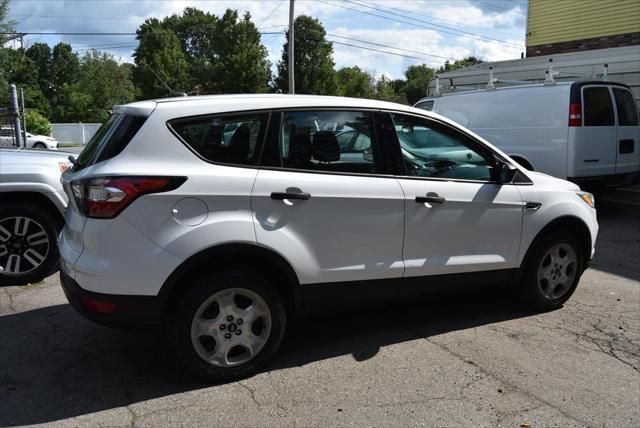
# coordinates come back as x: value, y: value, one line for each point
x: 598, y: 110
x: 224, y: 139
x: 430, y: 149
x: 333, y: 141
x: 626, y: 105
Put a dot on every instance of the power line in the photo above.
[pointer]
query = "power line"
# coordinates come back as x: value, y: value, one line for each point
x: 425, y: 22
x: 388, y: 46
x: 270, y: 13
x: 378, y: 50
x: 441, y: 19
x: 58, y: 33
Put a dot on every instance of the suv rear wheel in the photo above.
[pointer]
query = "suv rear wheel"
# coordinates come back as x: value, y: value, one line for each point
x: 28, y: 250
x: 228, y: 326
x: 553, y: 271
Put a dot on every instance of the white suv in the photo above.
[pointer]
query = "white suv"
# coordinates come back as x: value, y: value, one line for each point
x: 218, y: 217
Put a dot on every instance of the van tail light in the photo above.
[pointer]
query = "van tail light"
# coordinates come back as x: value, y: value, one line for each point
x: 106, y: 197
x: 575, y: 115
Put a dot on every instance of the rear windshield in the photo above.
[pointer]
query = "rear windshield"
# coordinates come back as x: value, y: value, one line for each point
x: 598, y: 110
x: 110, y: 139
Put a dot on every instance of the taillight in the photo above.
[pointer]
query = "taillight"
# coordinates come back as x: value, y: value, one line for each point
x: 106, y: 197
x: 575, y: 115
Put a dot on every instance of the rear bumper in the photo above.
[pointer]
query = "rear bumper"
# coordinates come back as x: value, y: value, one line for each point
x: 618, y: 180
x: 111, y: 309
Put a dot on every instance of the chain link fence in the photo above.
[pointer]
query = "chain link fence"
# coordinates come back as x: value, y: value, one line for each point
x: 7, y: 137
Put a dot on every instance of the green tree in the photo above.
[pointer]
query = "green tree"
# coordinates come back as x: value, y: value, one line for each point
x: 418, y: 78
x: 6, y: 25
x: 212, y: 54
x: 242, y: 64
x: 102, y: 83
x: 40, y: 54
x: 65, y: 72
x: 17, y: 68
x: 159, y: 52
x: 390, y: 90
x: 355, y: 82
x: 37, y: 123
x: 460, y: 63
x: 313, y: 62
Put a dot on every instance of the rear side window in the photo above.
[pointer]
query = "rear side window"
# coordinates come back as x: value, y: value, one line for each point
x: 224, y: 139
x: 110, y: 139
x: 626, y: 105
x: 332, y: 141
x: 598, y: 110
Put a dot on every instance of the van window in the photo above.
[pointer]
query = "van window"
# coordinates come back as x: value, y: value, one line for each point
x: 425, y: 105
x: 598, y: 110
x: 231, y: 139
x: 110, y: 139
x: 626, y: 105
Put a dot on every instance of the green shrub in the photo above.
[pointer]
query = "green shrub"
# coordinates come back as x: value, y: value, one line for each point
x: 37, y: 123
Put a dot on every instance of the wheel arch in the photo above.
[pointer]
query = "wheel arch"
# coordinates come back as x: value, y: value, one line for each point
x: 565, y: 223
x: 245, y: 256
x: 31, y: 198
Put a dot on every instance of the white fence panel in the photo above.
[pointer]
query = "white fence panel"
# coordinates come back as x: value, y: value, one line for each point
x: 74, y: 133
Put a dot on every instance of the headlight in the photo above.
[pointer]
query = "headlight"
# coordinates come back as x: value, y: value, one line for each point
x: 587, y: 198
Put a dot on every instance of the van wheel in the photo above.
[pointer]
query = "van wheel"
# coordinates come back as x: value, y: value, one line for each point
x: 552, y: 272
x: 228, y: 326
x: 28, y: 250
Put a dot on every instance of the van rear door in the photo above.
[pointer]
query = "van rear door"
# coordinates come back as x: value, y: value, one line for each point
x: 628, y: 132
x: 595, y: 141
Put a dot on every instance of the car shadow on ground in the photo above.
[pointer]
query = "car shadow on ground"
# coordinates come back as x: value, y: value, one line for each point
x: 618, y: 243
x: 54, y: 364
x: 57, y: 365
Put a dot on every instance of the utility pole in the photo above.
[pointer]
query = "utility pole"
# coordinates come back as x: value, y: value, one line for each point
x: 24, y: 119
x: 15, y: 113
x: 292, y: 88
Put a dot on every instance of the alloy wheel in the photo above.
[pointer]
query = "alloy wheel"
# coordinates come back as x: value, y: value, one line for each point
x: 24, y: 245
x: 231, y: 327
x: 557, y: 271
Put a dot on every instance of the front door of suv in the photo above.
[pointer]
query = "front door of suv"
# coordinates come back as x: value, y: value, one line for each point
x: 457, y: 219
x: 331, y: 213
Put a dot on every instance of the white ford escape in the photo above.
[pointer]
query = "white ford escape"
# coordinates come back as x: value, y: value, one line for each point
x: 220, y: 216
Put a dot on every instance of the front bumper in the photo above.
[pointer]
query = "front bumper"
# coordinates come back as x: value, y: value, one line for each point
x: 111, y: 309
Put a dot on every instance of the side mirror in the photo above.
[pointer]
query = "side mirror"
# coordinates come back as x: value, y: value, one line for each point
x: 505, y: 172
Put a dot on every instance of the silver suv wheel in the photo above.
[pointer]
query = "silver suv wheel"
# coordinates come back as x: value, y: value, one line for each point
x: 557, y: 271
x: 231, y: 327
x: 24, y: 245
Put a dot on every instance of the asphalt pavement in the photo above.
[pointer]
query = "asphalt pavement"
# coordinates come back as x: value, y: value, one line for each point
x: 472, y: 358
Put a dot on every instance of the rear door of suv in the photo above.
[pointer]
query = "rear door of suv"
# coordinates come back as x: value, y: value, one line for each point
x: 336, y: 216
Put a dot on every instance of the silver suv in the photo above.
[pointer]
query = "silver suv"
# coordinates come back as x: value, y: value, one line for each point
x: 32, y: 204
x: 218, y: 217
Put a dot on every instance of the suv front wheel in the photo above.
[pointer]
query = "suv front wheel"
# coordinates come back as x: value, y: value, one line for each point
x: 553, y: 271
x: 228, y: 326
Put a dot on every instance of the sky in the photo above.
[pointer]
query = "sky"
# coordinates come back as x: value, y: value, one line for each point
x: 407, y: 31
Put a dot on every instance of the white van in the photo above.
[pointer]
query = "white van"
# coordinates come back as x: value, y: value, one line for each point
x: 586, y: 132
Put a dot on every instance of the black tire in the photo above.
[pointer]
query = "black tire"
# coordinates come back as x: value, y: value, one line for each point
x: 51, y: 225
x: 179, y: 326
x: 532, y: 293
x: 39, y: 146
